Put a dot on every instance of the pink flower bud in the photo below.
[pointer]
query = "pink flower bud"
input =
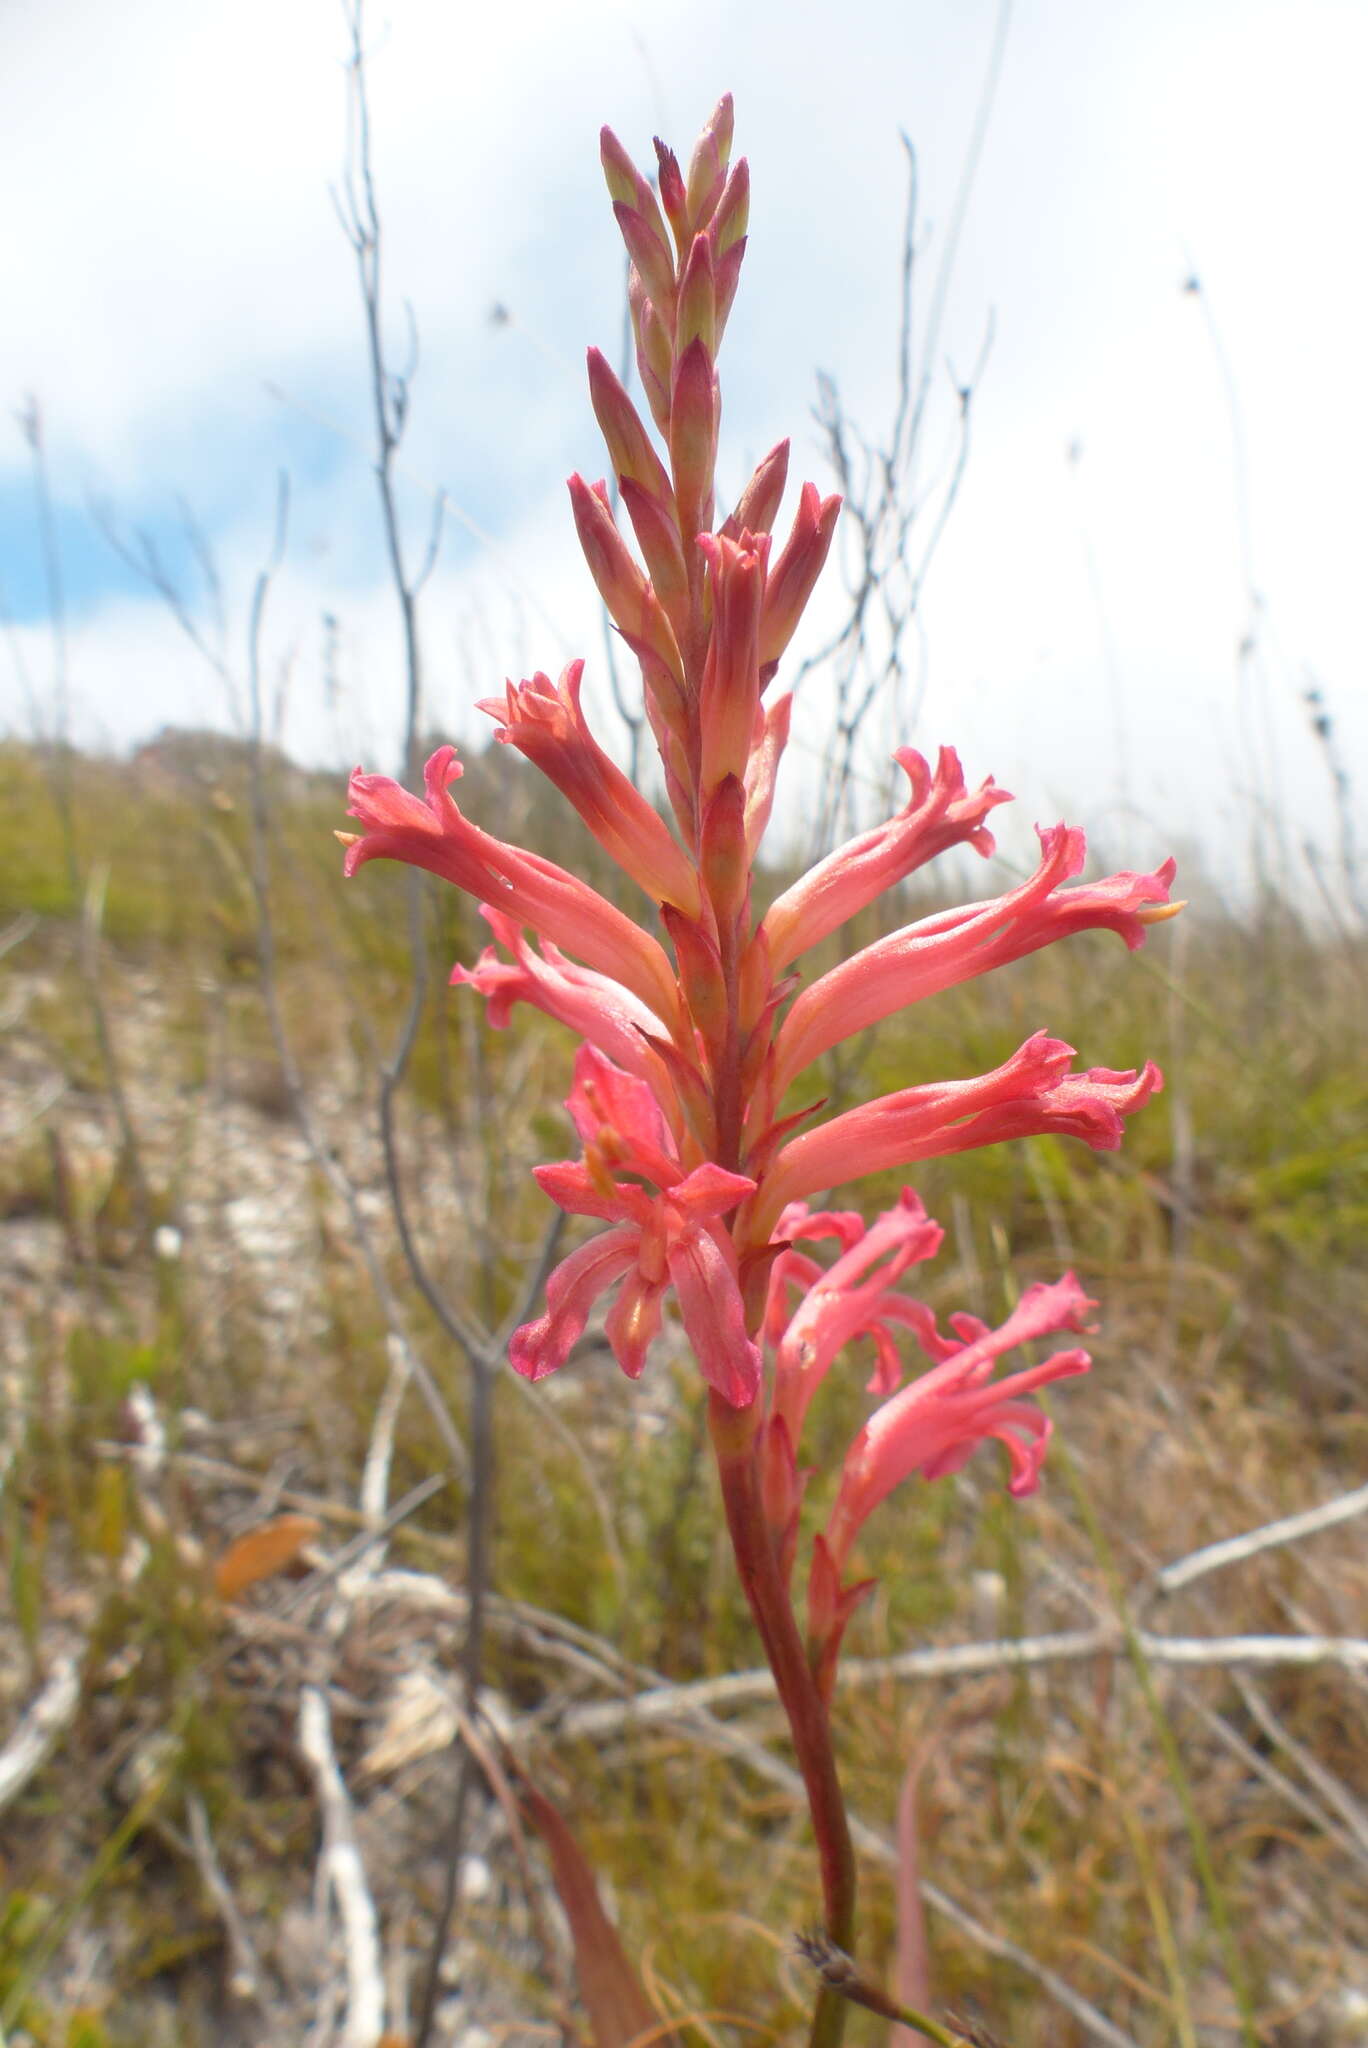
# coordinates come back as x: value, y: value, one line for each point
x: 758, y: 505
x: 650, y: 254
x: 629, y: 445
x: 729, y: 695
x: 693, y: 436
x: 728, y: 225
x: 696, y: 306
x: 673, y: 196
x: 655, y: 350
x: 626, y: 185
x: 657, y: 532
x: 708, y: 165
x: 632, y: 604
x: 724, y: 859
x: 795, y: 572
x: 701, y: 977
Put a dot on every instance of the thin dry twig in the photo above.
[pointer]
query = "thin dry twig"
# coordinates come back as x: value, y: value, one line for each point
x: 1214, y: 1557
x: 244, y: 1970
x: 40, y: 1729
x: 741, y: 1688
x: 342, y: 1878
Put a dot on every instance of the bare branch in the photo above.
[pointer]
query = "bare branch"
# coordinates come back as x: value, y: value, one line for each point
x: 40, y: 1729
x: 1234, y: 1549
x: 342, y: 1877
x: 244, y: 1970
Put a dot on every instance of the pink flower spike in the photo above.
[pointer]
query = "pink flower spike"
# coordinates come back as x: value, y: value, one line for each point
x: 544, y: 721
x: 431, y: 833
x: 933, y: 1425
x: 1029, y: 1095
x: 950, y: 947
x: 939, y: 813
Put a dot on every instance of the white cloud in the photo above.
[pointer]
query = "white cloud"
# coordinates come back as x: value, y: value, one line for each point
x: 173, y: 250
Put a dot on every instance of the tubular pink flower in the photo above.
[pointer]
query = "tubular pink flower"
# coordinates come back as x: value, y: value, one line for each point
x: 958, y: 945
x: 850, y: 1299
x: 939, y: 813
x: 544, y: 721
x: 670, y: 1238
x: 933, y: 1425
x: 542, y: 1347
x: 595, y: 1008
x: 1029, y: 1095
x: 430, y: 832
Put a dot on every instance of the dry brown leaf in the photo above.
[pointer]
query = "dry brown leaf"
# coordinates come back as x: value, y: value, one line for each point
x: 261, y: 1553
x: 619, y: 2011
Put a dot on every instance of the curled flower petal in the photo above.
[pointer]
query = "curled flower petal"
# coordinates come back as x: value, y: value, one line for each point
x: 431, y: 832
x: 542, y: 1347
x: 939, y: 813
x: 848, y: 1301
x: 598, y: 1009
x: 933, y: 1425
x: 544, y: 721
x: 941, y: 951
x: 714, y: 1316
x: 1029, y: 1095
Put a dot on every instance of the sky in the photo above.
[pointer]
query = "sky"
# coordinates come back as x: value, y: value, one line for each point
x: 1156, y: 545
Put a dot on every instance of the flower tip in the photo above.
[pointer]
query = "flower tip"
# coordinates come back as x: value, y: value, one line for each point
x: 347, y: 838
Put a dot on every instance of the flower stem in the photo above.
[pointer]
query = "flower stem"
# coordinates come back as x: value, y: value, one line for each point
x: 734, y: 1436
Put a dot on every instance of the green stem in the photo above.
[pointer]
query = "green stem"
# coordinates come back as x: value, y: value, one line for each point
x: 734, y: 1440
